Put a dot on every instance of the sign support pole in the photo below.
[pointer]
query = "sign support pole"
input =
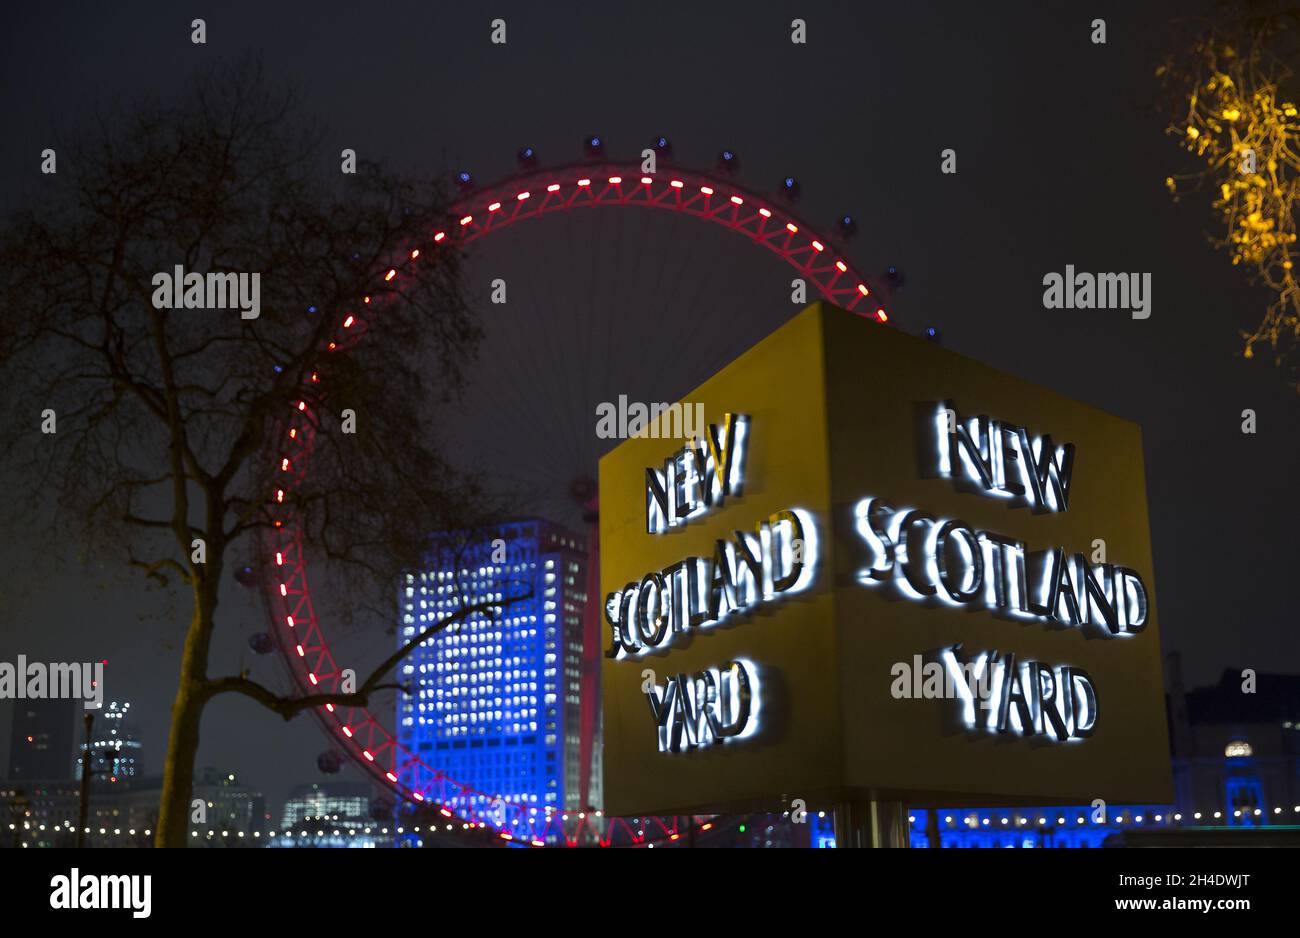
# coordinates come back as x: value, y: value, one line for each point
x: 871, y: 823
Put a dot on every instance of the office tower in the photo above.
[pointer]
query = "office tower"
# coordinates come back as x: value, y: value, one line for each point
x: 495, y: 700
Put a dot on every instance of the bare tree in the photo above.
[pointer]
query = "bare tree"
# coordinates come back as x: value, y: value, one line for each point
x: 161, y: 451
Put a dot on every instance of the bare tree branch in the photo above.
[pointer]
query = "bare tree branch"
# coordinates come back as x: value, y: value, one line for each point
x: 289, y: 707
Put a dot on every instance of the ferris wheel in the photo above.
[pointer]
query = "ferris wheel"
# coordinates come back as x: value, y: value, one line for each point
x: 558, y: 341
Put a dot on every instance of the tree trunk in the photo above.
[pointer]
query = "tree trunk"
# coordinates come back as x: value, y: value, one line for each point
x: 178, y: 770
x: 187, y: 716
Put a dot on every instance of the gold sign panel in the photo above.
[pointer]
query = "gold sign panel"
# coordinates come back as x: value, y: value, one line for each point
x: 877, y: 569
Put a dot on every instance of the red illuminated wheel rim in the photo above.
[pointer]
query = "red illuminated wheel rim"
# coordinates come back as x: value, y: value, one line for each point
x: 357, y: 731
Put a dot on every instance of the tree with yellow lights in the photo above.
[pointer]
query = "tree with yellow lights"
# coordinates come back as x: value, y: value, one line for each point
x: 1236, y: 115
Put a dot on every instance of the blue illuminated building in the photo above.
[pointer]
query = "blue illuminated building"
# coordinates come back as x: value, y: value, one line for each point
x: 495, y: 701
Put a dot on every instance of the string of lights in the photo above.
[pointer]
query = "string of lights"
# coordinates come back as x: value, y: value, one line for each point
x: 1148, y: 817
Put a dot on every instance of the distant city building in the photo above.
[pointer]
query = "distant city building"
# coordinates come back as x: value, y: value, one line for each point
x: 496, y: 701
x: 39, y: 813
x: 117, y: 752
x: 332, y: 814
x: 41, y: 746
x: 1236, y: 745
x: 335, y: 803
x: 125, y: 813
x: 232, y: 810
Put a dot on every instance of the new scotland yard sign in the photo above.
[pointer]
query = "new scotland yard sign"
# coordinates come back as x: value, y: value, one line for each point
x: 866, y: 512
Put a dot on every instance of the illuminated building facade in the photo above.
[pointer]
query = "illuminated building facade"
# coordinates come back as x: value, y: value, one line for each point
x: 1236, y: 746
x: 495, y: 701
x: 125, y: 813
x: 326, y: 802
x: 117, y: 753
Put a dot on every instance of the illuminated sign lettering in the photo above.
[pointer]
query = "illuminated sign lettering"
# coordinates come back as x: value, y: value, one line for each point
x: 776, y: 559
x: 712, y: 706
x: 1028, y: 698
x: 699, y: 592
x: 698, y: 477
x: 928, y: 557
x: 924, y: 558
x: 949, y: 561
x: 1004, y: 460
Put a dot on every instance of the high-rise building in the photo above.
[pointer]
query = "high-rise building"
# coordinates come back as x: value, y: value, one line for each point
x: 495, y: 700
x: 116, y: 751
x: 41, y: 747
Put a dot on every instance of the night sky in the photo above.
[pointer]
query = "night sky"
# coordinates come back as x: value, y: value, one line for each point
x: 1061, y: 160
